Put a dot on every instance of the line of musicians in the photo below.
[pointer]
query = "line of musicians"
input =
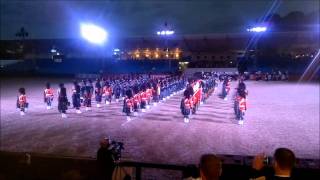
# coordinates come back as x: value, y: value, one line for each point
x: 196, y: 93
x: 140, y: 96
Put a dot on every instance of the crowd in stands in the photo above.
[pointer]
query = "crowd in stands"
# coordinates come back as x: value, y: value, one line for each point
x: 268, y: 76
x: 211, y: 167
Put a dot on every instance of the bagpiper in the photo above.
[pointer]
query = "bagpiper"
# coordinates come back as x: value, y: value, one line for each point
x: 241, y: 106
x: 88, y: 95
x: 22, y: 103
x: 48, y: 95
x: 107, y: 93
x: 76, y: 102
x: 128, y: 104
x: 63, y: 102
x: 186, y: 106
x: 98, y: 93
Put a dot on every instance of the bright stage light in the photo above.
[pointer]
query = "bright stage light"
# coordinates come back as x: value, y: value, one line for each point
x: 53, y: 50
x: 257, y: 29
x: 93, y: 33
x: 165, y: 33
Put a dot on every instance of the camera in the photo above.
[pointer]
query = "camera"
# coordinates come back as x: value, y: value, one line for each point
x: 116, y: 149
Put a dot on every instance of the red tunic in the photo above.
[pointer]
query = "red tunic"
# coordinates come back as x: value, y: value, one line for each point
x: 129, y: 102
x: 143, y: 96
x: 22, y: 100
x: 48, y: 92
x: 187, y: 103
x: 242, y: 103
x: 107, y: 91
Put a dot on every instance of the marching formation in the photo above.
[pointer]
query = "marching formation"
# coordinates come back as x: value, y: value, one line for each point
x: 140, y: 92
x: 197, y: 91
x: 139, y: 96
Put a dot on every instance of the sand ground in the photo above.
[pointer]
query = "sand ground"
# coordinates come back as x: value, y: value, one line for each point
x: 280, y: 114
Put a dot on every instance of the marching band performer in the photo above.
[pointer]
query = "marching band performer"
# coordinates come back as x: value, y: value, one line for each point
x: 241, y: 106
x: 117, y: 92
x: 48, y: 95
x: 186, y: 106
x: 143, y: 96
x: 62, y: 100
x: 136, y: 101
x: 76, y: 97
x: 98, y: 93
x: 107, y: 93
x: 82, y: 91
x: 225, y: 88
x: 88, y: 95
x: 128, y: 104
x: 22, y: 104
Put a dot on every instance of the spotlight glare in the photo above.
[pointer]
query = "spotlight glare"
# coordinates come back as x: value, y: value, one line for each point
x: 257, y: 29
x: 93, y: 33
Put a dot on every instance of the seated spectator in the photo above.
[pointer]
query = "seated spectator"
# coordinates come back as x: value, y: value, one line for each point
x: 283, y: 163
x: 210, y: 167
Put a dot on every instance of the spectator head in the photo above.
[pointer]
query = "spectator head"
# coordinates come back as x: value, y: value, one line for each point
x: 210, y: 167
x: 284, y: 160
x: 104, y: 143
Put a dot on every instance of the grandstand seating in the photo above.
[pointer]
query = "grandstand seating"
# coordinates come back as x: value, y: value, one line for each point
x: 90, y: 66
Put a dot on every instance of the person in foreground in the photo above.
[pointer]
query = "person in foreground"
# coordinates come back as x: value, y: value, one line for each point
x: 210, y: 167
x: 105, y: 160
x: 283, y: 163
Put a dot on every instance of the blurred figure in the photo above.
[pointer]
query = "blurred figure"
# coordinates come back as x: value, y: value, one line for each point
x: 210, y: 167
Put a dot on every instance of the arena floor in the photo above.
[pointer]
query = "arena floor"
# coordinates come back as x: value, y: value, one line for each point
x: 280, y: 114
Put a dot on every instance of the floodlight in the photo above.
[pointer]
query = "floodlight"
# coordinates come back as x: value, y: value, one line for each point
x: 93, y: 33
x: 257, y: 29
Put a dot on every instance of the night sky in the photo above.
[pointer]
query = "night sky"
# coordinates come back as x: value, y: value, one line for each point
x: 61, y: 18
